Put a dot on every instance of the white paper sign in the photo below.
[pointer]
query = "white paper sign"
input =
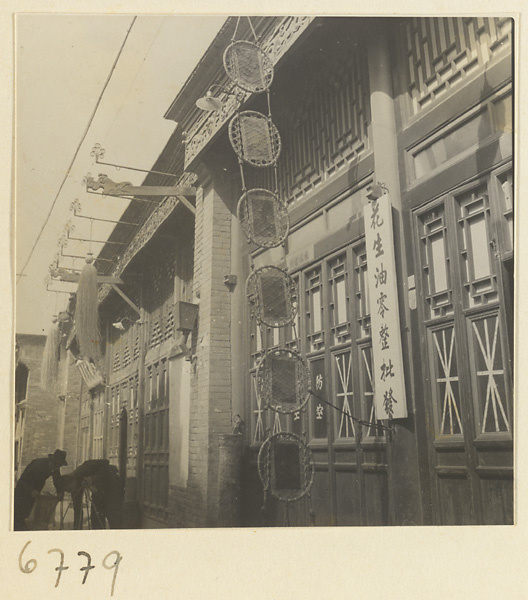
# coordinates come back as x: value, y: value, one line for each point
x: 389, y: 382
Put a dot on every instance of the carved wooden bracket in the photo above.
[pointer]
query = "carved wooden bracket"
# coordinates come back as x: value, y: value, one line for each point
x: 125, y: 188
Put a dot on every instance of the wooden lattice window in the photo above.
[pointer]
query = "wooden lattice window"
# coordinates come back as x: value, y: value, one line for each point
x: 476, y: 246
x: 435, y: 262
x: 127, y: 358
x: 117, y: 358
x: 344, y: 395
x: 259, y: 413
x: 441, y: 53
x: 361, y: 292
x: 445, y: 381
x: 491, y: 393
x: 98, y: 425
x: 314, y: 308
x: 292, y: 330
x: 506, y: 194
x: 133, y: 420
x: 339, y: 299
x: 335, y: 303
x: 326, y: 126
x: 368, y: 409
x: 115, y: 407
x: 156, y: 336
x: 459, y: 253
x: 169, y: 324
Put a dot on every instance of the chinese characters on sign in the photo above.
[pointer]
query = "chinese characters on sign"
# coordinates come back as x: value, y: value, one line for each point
x: 389, y: 384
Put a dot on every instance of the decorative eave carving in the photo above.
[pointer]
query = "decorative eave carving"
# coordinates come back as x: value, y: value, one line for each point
x: 146, y: 232
x: 276, y: 44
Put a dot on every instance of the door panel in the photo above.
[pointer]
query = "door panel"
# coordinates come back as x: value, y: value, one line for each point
x: 454, y: 491
x: 332, y: 332
x: 321, y: 494
x: 468, y: 397
x: 348, y: 495
x: 498, y: 491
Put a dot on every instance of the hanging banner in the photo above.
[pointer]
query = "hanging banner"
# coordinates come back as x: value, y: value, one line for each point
x: 389, y: 382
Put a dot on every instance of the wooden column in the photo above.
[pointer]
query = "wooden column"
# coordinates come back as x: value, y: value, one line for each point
x: 404, y: 480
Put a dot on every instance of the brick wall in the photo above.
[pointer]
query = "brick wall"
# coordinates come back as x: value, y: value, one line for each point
x: 41, y: 425
x: 71, y: 412
x: 210, y: 412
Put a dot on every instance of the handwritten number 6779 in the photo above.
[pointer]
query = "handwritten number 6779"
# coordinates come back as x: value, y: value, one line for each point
x: 31, y: 564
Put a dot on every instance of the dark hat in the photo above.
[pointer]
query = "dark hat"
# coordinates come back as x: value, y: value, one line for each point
x: 59, y: 456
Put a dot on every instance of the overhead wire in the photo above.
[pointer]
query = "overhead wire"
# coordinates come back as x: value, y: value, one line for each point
x: 155, y: 37
x: 92, y: 116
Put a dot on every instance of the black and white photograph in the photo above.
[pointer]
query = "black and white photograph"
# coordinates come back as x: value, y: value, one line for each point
x: 283, y: 297
x: 264, y: 274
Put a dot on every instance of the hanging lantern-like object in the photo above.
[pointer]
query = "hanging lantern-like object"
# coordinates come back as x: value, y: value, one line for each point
x: 264, y: 218
x: 283, y: 381
x: 254, y: 138
x: 272, y: 294
x: 286, y: 467
x: 248, y: 66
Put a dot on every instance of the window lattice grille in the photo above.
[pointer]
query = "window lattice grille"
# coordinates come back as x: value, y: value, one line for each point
x: 443, y: 52
x: 169, y: 325
x: 361, y: 291
x: 327, y: 128
x: 476, y: 247
x: 447, y: 395
x: 493, y: 410
x: 117, y: 359
x: 436, y: 262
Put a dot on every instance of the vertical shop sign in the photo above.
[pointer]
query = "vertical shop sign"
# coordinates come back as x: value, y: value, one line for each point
x: 389, y: 382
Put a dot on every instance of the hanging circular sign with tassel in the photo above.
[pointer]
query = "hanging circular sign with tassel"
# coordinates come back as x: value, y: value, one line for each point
x: 248, y: 66
x: 283, y: 380
x: 286, y: 467
x: 273, y: 296
x: 254, y: 138
x: 264, y: 218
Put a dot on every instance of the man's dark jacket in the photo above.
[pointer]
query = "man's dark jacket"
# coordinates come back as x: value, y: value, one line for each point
x: 106, y: 487
x: 32, y: 480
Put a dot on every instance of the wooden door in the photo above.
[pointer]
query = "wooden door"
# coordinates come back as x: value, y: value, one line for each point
x: 156, y: 439
x: 460, y: 243
x: 351, y: 484
x: 332, y: 332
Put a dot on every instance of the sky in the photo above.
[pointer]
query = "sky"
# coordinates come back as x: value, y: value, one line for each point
x: 61, y: 65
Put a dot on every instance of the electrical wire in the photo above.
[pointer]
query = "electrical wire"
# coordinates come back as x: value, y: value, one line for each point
x: 19, y: 275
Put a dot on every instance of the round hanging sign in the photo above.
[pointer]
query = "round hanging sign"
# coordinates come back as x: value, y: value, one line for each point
x: 248, y: 66
x: 283, y: 380
x: 272, y: 294
x: 264, y: 218
x: 254, y: 138
x: 285, y: 466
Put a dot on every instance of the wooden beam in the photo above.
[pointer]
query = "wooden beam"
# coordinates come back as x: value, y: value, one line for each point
x: 187, y: 204
x: 126, y: 298
x: 109, y: 279
x: 74, y: 278
x: 160, y: 190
